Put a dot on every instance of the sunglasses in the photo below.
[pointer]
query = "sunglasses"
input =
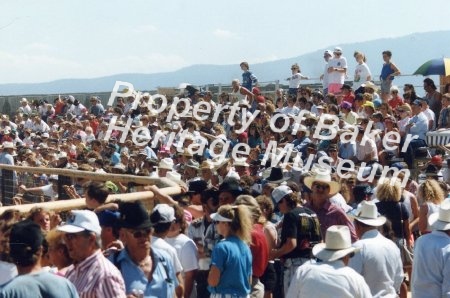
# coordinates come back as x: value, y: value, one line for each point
x: 140, y: 233
x: 321, y: 186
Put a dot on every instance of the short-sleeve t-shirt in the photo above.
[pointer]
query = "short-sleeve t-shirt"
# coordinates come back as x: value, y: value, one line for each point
x: 291, y: 229
x: 234, y: 260
x: 336, y: 77
x: 362, y: 71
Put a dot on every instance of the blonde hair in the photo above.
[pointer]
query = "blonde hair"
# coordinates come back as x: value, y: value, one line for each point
x: 252, y: 205
x: 54, y: 238
x: 389, y: 190
x: 241, y: 223
x: 431, y: 191
x: 356, y: 54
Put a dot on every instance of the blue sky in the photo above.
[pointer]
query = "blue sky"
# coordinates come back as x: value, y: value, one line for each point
x: 48, y: 40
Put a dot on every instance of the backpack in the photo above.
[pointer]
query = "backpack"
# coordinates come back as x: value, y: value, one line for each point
x: 309, y: 228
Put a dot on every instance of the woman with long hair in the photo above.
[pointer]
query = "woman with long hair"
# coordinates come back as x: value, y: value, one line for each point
x: 231, y: 259
x: 362, y: 71
x: 430, y: 194
x: 389, y: 194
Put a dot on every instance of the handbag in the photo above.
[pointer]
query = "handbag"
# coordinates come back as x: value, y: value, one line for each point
x: 405, y: 252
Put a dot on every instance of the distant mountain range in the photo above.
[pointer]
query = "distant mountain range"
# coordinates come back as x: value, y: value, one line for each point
x: 409, y: 52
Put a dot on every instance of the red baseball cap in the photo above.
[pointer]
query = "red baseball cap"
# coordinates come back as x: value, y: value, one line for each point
x: 436, y: 160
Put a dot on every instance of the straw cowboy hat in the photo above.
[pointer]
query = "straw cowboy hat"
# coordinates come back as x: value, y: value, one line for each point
x: 219, y: 161
x: 371, y: 85
x: 8, y: 145
x: 166, y: 163
x: 337, y: 244
x: 323, y: 175
x: 440, y: 220
x: 367, y: 213
x: 206, y: 164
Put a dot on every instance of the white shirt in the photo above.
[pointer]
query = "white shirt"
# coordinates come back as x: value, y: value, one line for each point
x: 325, y: 76
x: 431, y: 270
x: 7, y: 272
x: 368, y: 147
x: 430, y: 116
x: 163, y: 245
x: 186, y: 251
x: 294, y: 80
x: 380, y: 264
x: 330, y: 279
x: 362, y: 72
x: 337, y: 77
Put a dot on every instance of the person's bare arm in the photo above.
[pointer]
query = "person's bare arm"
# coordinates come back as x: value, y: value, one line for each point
x: 395, y: 69
x: 286, y: 248
x: 189, y: 279
x: 423, y: 218
x: 33, y: 190
x: 213, y: 276
x: 179, y: 290
x: 163, y: 198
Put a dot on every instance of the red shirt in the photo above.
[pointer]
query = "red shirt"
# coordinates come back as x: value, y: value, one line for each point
x: 395, y: 102
x: 260, y: 250
x: 349, y: 98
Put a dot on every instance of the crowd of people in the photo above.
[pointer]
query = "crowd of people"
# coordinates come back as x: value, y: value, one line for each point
x: 245, y: 224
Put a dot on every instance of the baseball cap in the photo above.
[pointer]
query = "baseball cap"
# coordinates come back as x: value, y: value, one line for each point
x: 81, y: 220
x: 416, y: 102
x: 328, y: 52
x: 279, y: 192
x: 337, y: 50
x: 108, y: 218
x: 162, y: 213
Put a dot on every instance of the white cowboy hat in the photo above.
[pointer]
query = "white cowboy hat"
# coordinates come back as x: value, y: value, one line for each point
x: 166, y: 163
x: 174, y: 176
x: 337, y: 244
x: 8, y: 145
x: 440, y: 220
x: 240, y: 162
x: 367, y: 213
x: 322, y: 175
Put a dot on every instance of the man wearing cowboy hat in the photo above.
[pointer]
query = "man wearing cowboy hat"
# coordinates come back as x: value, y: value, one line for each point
x: 330, y: 277
x: 145, y: 268
x: 164, y: 166
x: 431, y: 270
x: 323, y: 188
x: 224, y: 169
x: 191, y: 170
x: 379, y: 260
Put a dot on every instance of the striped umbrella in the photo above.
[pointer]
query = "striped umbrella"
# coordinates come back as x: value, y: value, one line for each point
x: 439, y: 66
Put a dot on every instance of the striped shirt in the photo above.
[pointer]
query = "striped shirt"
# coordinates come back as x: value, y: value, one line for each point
x: 96, y: 277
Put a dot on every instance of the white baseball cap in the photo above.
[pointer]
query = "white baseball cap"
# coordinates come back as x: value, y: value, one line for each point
x: 81, y: 220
